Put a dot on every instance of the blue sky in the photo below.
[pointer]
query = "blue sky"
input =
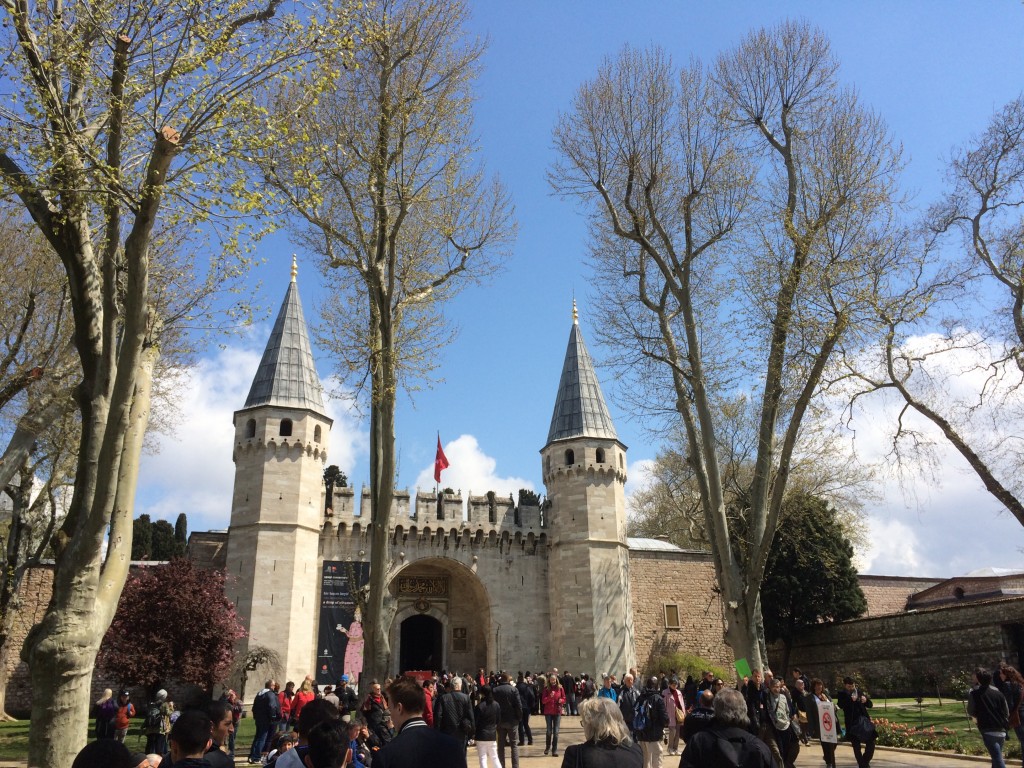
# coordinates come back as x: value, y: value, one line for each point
x: 934, y: 70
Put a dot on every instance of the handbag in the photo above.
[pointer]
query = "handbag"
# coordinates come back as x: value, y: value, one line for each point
x: 680, y: 715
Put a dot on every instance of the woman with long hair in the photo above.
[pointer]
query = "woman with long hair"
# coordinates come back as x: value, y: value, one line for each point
x: 817, y: 694
x: 551, y: 703
x: 607, y: 743
x: 1014, y: 683
x: 302, y: 697
x: 104, y: 712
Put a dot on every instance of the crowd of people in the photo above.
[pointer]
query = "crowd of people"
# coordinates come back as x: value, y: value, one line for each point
x: 762, y: 721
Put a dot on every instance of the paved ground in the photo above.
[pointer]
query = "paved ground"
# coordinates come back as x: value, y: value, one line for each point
x: 810, y: 757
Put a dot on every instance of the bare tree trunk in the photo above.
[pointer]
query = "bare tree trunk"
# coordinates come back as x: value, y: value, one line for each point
x: 377, y: 647
x: 61, y: 650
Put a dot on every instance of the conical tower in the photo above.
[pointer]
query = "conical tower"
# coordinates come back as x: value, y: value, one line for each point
x: 280, y: 448
x: 585, y: 475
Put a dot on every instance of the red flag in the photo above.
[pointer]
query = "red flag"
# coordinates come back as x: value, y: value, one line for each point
x: 440, y: 461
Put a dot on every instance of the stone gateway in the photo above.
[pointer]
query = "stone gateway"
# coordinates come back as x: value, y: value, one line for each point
x: 505, y: 585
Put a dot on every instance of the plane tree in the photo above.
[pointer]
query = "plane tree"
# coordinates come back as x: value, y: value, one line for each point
x: 740, y: 219
x: 951, y: 346
x: 121, y: 121
x: 387, y: 188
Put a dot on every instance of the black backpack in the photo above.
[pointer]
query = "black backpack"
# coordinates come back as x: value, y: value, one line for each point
x: 154, y: 717
x: 735, y: 748
x: 642, y: 717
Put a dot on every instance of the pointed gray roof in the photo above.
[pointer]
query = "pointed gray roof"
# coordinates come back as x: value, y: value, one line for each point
x: 580, y: 410
x: 287, y: 376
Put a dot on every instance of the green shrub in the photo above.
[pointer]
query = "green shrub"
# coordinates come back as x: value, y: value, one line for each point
x: 686, y: 664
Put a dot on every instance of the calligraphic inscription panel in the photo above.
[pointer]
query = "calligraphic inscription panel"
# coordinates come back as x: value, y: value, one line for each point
x: 423, y: 586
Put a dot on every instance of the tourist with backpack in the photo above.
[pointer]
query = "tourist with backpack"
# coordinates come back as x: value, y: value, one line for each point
x: 649, y: 723
x: 123, y: 716
x: 157, y: 724
x: 728, y: 743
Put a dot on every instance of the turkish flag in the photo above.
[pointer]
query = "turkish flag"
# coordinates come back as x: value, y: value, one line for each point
x: 440, y: 461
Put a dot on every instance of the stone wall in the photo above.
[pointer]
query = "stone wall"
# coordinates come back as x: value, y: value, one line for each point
x: 36, y: 588
x: 685, y: 579
x: 890, y: 651
x: 887, y: 595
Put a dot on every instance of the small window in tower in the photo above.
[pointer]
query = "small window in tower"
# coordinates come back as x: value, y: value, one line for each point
x: 621, y: 464
x: 316, y: 434
x: 286, y: 428
x: 600, y: 455
x: 250, y: 428
x: 547, y: 463
x: 671, y: 616
x: 570, y: 458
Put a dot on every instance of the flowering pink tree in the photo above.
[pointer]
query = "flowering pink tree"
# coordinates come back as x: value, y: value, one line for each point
x: 173, y: 622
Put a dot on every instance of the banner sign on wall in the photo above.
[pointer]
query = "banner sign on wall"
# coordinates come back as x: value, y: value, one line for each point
x: 340, y: 638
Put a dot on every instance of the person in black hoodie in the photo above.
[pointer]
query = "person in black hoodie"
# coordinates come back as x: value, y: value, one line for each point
x: 486, y: 716
x: 529, y: 701
x: 987, y: 705
x: 651, y: 708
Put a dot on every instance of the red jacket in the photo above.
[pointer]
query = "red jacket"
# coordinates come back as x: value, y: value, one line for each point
x: 121, y: 717
x: 299, y: 700
x: 551, y: 701
x: 286, y: 705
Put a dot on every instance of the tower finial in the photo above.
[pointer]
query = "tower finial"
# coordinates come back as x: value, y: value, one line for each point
x: 295, y: 267
x: 575, y: 314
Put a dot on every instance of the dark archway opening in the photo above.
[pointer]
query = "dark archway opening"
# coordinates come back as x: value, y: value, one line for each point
x: 420, y: 644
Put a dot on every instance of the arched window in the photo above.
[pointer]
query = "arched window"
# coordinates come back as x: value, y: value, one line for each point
x: 286, y: 428
x: 250, y: 428
x: 600, y: 455
x: 570, y: 458
x: 621, y: 464
x: 316, y: 434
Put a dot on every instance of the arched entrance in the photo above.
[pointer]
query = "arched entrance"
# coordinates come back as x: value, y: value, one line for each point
x: 443, y: 618
x: 420, y: 643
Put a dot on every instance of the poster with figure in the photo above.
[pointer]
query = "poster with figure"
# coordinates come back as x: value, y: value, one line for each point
x: 340, y: 637
x: 827, y: 722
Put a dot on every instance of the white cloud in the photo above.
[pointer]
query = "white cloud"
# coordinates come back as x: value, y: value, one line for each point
x: 934, y: 517
x: 192, y: 470
x: 471, y: 471
x: 893, y: 543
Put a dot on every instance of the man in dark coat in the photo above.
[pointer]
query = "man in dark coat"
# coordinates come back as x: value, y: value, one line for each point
x: 653, y: 708
x: 569, y: 685
x: 728, y: 741
x: 859, y: 728
x: 266, y: 711
x: 529, y: 701
x: 454, y: 714
x: 511, y: 713
x: 415, y: 744
x: 700, y: 718
x: 628, y: 698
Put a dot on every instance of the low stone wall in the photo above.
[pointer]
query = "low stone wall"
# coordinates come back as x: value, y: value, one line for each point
x: 685, y: 579
x: 890, y: 652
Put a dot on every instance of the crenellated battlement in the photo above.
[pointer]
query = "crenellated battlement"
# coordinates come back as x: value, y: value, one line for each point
x: 279, y: 448
x: 492, y: 520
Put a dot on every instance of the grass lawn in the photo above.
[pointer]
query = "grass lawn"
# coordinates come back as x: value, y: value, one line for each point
x: 14, y: 738
x: 951, y: 715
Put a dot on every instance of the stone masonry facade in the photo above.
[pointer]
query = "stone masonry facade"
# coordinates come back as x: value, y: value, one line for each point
x: 687, y: 581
